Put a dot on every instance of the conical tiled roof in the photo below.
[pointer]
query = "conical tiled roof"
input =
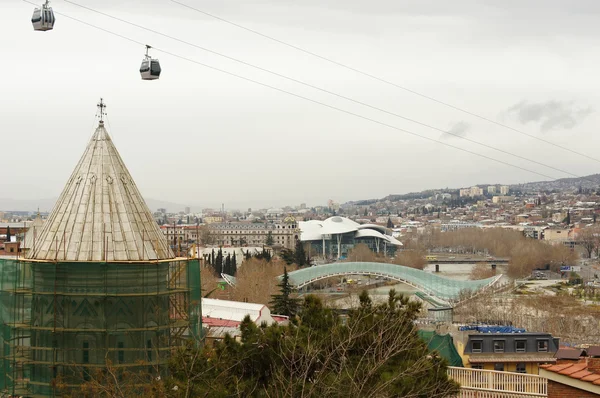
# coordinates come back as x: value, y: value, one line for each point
x: 33, y: 232
x: 100, y: 215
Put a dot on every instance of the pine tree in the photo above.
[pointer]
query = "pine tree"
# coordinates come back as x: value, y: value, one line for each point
x: 227, y: 267
x: 283, y: 303
x: 8, y: 234
x: 219, y: 262
x: 390, y: 224
x: 288, y: 256
x: 567, y: 219
x: 300, y: 255
x: 269, y: 241
x: 233, y: 269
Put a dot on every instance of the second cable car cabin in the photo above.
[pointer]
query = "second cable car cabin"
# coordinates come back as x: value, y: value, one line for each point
x: 150, y: 68
x: 43, y: 18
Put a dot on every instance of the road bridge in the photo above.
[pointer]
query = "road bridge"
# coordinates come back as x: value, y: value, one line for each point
x: 469, y: 260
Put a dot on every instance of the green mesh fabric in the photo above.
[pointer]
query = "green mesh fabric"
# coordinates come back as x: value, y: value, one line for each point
x: 442, y: 344
x: 68, y: 320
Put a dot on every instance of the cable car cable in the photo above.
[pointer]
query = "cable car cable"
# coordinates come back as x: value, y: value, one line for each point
x: 322, y: 89
x: 309, y: 99
x: 382, y: 80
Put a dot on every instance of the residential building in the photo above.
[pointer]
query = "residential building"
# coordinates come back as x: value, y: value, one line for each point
x: 465, y: 192
x: 502, y: 199
x: 284, y: 233
x: 455, y: 226
x: 476, y: 191
x: 563, y: 236
x: 491, y: 189
x: 509, y: 352
x: 471, y: 192
x: 504, y: 190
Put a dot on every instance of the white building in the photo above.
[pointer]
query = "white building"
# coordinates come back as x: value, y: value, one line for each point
x: 336, y: 236
x: 224, y: 316
x: 504, y: 190
x: 476, y: 191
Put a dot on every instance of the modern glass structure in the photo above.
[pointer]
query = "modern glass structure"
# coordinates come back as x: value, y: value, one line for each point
x: 334, y: 237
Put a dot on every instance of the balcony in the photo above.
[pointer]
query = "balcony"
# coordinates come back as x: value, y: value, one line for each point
x: 478, y: 383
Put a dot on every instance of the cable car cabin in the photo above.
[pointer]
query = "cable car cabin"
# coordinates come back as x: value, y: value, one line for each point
x: 43, y: 18
x: 150, y: 69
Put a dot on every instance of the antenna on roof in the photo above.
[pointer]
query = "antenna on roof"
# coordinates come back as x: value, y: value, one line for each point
x: 101, y: 113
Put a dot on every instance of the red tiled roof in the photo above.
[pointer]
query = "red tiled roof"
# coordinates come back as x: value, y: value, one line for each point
x: 573, y: 368
x: 578, y: 370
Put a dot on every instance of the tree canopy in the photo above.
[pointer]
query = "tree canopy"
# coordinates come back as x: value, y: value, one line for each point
x: 375, y: 352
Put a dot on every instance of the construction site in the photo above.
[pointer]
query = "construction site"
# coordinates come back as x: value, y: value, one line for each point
x: 99, y: 287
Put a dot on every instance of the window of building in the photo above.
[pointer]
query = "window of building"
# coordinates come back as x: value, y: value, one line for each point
x: 521, y: 368
x: 476, y: 346
x: 520, y: 346
x: 498, y: 345
x: 86, y: 352
x: 121, y: 352
x: 476, y: 366
x: 499, y: 367
x: 542, y: 345
x: 149, y: 347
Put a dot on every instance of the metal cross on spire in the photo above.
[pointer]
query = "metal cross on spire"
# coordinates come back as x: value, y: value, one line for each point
x: 101, y: 106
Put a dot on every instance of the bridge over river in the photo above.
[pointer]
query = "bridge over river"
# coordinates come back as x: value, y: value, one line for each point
x: 441, y: 289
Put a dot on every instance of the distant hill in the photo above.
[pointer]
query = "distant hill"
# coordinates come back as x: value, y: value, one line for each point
x: 560, y: 185
x: 563, y: 184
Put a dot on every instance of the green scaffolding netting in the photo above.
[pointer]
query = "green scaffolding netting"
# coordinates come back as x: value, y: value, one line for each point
x: 69, y: 320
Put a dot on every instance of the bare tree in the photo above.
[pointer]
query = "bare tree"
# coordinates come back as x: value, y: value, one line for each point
x: 481, y: 271
x: 257, y: 280
x: 588, y: 239
x: 207, y: 236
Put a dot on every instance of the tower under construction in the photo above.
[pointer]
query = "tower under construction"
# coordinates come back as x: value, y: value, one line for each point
x: 99, y: 287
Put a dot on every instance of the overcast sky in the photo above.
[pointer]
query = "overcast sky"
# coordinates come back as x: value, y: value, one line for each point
x: 200, y: 137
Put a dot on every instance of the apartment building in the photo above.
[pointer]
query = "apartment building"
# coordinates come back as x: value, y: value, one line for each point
x: 509, y: 352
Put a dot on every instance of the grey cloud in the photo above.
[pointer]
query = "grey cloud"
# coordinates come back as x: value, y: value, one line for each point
x: 458, y: 129
x: 550, y: 114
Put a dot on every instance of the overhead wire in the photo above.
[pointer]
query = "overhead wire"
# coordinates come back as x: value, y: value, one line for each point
x: 382, y: 80
x: 305, y: 98
x: 318, y: 88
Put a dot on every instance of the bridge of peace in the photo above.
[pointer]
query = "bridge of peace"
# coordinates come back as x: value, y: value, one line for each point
x: 435, y: 289
x: 443, y: 290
